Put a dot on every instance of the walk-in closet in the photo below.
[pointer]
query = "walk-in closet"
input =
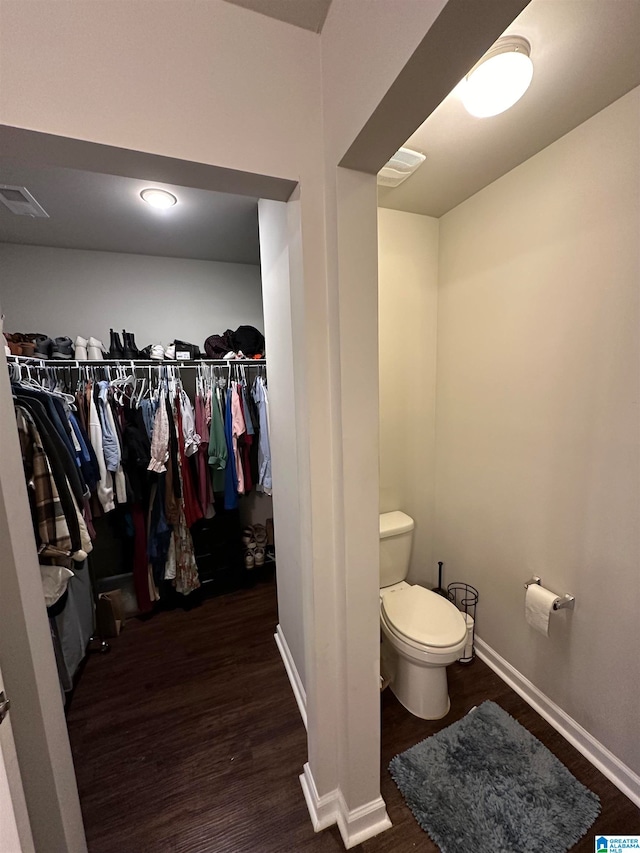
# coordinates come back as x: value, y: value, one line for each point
x: 139, y: 370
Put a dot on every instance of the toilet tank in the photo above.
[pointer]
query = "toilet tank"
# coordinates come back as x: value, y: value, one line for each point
x: 396, y: 533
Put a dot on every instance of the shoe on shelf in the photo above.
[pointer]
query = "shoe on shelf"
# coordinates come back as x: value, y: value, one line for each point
x: 129, y: 345
x: 170, y: 352
x: 249, y: 560
x: 258, y: 557
x: 186, y: 351
x: 157, y: 352
x: 260, y: 534
x: 95, y: 350
x: 28, y: 348
x: 44, y: 348
x: 35, y: 338
x: 116, y: 349
x: 14, y: 342
x: 80, y: 346
x: 248, y: 537
x: 62, y: 348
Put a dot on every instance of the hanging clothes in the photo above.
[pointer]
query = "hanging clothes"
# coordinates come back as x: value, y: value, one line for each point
x: 246, y: 440
x: 105, y: 487
x: 230, y: 473
x: 192, y: 510
x: 237, y: 431
x: 259, y: 393
x: 147, y: 450
x: 205, y: 491
x: 50, y: 522
x: 160, y: 439
x: 218, y: 451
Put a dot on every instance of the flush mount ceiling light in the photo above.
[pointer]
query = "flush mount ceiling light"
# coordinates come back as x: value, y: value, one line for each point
x: 499, y: 79
x: 403, y: 164
x: 158, y: 198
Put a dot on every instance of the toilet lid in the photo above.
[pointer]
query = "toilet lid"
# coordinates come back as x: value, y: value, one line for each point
x: 424, y: 617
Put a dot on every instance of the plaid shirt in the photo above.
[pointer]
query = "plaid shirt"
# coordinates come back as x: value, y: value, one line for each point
x: 50, y: 525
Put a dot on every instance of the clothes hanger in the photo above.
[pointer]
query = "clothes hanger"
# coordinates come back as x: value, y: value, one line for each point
x: 143, y: 389
x: 120, y: 384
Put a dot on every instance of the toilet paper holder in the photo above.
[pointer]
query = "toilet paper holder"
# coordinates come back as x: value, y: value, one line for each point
x: 566, y: 602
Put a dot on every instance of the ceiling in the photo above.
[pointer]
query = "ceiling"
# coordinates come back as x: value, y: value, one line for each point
x: 586, y: 55
x: 308, y: 14
x: 105, y: 213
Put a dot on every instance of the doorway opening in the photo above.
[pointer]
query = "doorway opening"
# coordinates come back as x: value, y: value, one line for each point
x: 193, y: 681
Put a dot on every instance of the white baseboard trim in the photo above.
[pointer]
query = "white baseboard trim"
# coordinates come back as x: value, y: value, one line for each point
x: 292, y: 671
x: 362, y: 823
x: 355, y: 825
x: 607, y: 763
x: 323, y: 810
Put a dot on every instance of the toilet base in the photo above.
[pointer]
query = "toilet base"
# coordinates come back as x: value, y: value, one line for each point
x: 421, y: 688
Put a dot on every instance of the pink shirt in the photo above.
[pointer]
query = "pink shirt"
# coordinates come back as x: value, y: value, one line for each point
x: 238, y: 428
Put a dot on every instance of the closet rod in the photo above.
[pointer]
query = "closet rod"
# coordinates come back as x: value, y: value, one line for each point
x: 136, y: 362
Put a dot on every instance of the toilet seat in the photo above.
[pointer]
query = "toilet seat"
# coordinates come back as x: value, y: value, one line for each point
x: 422, y: 619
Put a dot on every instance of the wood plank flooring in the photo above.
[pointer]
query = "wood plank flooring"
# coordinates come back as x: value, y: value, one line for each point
x: 187, y: 739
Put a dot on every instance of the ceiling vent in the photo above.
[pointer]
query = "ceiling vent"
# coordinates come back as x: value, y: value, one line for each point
x: 403, y: 164
x: 20, y: 201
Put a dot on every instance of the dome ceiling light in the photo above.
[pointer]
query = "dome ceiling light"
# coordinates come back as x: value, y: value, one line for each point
x: 499, y: 79
x: 158, y: 198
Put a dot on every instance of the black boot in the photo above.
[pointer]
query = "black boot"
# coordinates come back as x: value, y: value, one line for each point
x: 129, y: 345
x: 132, y: 341
x: 115, y: 348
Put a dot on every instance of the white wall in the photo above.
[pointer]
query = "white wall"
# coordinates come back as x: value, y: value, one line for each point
x: 71, y: 292
x: 365, y: 46
x: 274, y: 256
x: 207, y: 87
x: 537, y: 415
x: 408, y: 300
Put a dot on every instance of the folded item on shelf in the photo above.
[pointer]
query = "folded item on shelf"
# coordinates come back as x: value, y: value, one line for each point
x: 245, y: 342
x: 250, y: 340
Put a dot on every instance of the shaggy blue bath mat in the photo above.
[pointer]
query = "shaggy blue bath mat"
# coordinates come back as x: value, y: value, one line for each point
x: 485, y: 784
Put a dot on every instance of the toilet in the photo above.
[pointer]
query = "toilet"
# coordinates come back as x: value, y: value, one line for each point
x: 422, y: 632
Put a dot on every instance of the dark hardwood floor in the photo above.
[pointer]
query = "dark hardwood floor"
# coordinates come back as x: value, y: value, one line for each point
x: 187, y: 739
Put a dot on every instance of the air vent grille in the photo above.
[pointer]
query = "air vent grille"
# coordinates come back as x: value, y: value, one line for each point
x: 20, y: 201
x: 403, y: 164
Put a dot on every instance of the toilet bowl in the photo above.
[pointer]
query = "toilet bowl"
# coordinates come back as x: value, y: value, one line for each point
x: 422, y: 632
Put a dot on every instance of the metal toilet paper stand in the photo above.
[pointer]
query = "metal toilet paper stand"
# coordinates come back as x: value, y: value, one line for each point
x: 566, y: 602
x: 465, y: 598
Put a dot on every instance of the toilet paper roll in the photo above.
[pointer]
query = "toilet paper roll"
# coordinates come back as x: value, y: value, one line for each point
x: 467, y: 654
x: 538, y: 606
